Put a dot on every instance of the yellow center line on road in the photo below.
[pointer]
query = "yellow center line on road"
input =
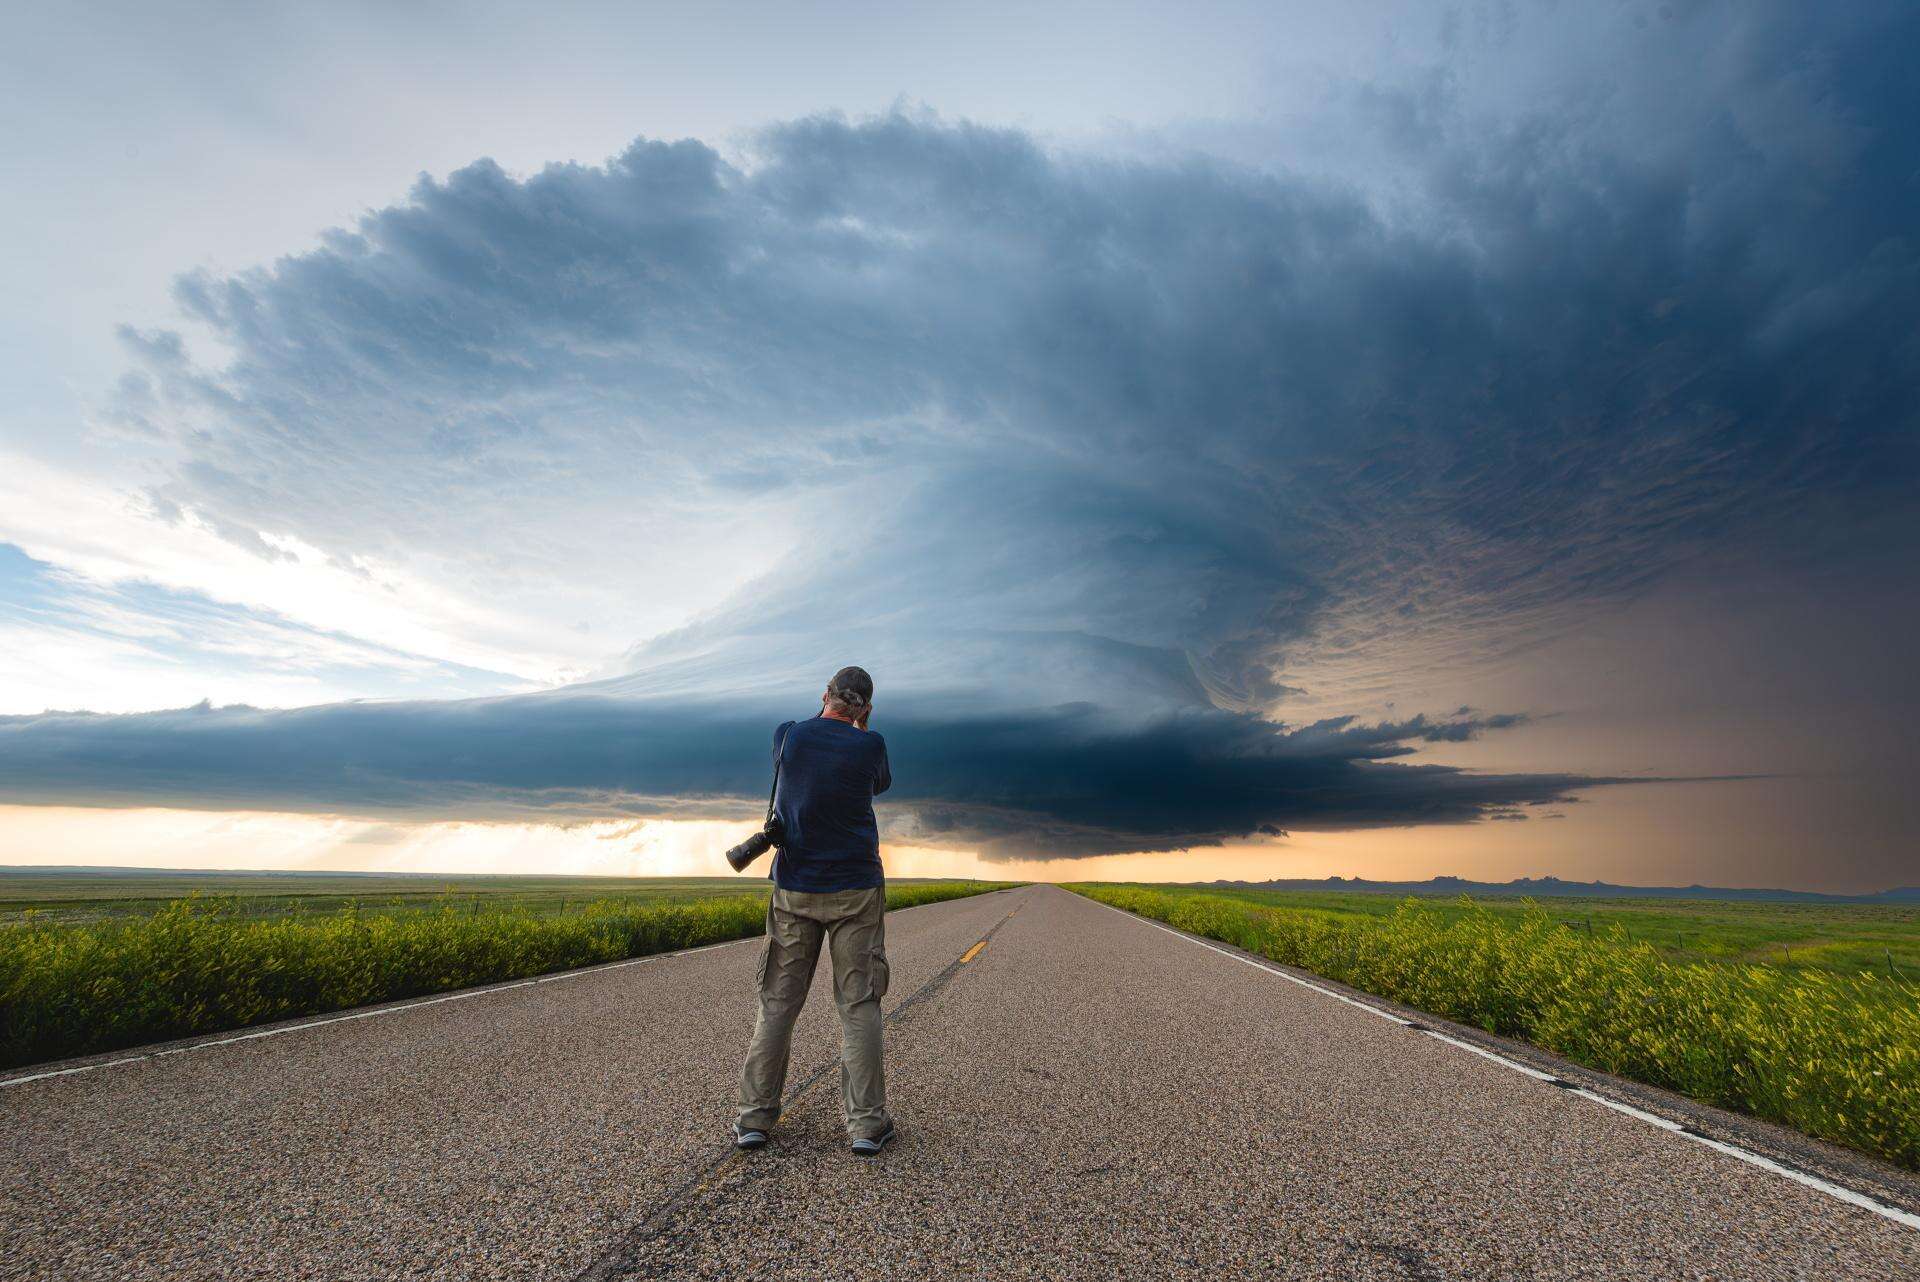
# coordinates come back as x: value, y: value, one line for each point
x: 965, y: 957
x: 735, y: 1158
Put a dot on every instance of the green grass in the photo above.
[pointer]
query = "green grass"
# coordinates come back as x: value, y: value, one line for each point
x: 80, y: 896
x: 1836, y: 1055
x: 1843, y: 938
x: 211, y: 963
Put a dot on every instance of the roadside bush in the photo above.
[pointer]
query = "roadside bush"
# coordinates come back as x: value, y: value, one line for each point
x: 195, y: 967
x: 1834, y: 1056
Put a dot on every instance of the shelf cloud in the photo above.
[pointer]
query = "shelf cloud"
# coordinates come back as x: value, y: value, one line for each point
x: 1065, y: 780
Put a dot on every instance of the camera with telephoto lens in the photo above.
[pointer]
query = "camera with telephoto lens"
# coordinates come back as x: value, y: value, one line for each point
x: 757, y: 845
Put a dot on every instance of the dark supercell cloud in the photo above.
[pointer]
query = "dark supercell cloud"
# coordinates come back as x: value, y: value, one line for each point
x: 1089, y: 460
x: 1058, y: 781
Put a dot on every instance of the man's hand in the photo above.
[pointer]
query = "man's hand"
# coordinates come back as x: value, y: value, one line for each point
x: 865, y: 712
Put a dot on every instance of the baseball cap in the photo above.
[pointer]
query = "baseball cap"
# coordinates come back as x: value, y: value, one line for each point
x: 853, y: 686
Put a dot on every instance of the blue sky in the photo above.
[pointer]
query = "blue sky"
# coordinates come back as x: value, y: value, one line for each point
x: 1210, y: 432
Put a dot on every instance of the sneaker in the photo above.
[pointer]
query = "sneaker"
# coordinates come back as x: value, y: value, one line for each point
x: 749, y: 1139
x: 873, y: 1144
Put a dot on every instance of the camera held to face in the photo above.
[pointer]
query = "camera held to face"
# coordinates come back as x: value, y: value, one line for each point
x: 757, y: 845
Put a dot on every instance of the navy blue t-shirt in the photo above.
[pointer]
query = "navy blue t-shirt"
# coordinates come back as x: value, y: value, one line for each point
x: 830, y: 772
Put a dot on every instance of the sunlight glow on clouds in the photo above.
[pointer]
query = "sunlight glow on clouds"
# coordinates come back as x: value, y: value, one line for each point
x: 132, y: 646
x: 105, y: 536
x: 163, y: 838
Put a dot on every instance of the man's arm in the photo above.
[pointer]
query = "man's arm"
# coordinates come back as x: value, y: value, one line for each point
x: 883, y: 772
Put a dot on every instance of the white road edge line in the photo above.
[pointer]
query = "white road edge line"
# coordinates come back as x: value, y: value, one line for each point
x: 1836, y: 1191
x: 1280, y: 974
x: 418, y: 1002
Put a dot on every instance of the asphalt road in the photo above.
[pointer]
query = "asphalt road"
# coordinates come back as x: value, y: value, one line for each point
x: 1087, y: 1096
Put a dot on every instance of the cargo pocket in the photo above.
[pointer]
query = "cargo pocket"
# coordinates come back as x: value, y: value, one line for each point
x: 877, y: 973
x: 766, y: 950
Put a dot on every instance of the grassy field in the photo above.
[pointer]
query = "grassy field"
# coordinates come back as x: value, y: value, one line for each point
x: 1844, y: 938
x: 83, y: 895
x: 111, y: 969
x: 1831, y: 1050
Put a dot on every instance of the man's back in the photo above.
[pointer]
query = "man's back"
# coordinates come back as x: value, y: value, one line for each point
x: 827, y: 886
x: 830, y: 772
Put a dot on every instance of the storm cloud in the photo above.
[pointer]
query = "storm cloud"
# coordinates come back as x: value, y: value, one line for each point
x: 1106, y: 467
x: 1061, y: 781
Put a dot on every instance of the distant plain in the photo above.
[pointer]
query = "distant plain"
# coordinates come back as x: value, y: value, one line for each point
x: 81, y: 895
x: 1842, y: 937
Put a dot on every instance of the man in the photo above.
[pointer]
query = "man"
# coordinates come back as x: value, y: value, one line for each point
x: 827, y: 884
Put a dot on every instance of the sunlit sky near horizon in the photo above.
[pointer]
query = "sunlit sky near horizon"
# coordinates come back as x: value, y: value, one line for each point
x: 1243, y: 440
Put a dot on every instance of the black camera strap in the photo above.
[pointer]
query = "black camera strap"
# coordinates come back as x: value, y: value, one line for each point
x: 779, y: 751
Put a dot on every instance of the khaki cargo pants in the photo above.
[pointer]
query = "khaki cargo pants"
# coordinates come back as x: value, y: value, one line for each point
x: 854, y: 924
